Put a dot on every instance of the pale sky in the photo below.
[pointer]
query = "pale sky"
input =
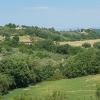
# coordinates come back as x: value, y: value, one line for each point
x: 61, y: 14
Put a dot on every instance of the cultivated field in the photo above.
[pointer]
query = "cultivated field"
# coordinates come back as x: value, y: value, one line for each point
x: 79, y: 43
x: 83, y: 88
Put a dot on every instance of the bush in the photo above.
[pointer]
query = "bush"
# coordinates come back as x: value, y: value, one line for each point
x: 15, y: 40
x: 21, y: 67
x: 45, y: 72
x: 46, y: 44
x: 75, y: 50
x: 86, y: 45
x: 63, y: 49
x: 57, y: 75
x: 5, y: 83
x: 83, y: 63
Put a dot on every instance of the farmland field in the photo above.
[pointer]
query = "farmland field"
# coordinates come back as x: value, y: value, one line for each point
x: 83, y: 88
x: 79, y: 43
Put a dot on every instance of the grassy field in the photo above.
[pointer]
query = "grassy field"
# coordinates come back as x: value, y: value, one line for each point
x: 83, y: 88
x: 79, y: 43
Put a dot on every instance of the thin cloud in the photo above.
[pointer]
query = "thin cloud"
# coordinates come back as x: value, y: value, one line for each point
x: 37, y: 8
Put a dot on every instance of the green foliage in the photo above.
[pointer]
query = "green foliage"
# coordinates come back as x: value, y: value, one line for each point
x: 75, y: 50
x: 86, y: 45
x: 28, y: 49
x: 45, y: 72
x: 5, y: 82
x: 97, y: 45
x: 63, y: 49
x: 10, y: 25
x: 49, y: 33
x: 21, y: 67
x: 83, y: 63
x: 46, y: 44
x: 15, y: 40
x: 45, y: 59
x: 57, y: 74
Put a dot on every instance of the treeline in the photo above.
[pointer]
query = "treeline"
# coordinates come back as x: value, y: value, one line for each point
x: 49, y: 33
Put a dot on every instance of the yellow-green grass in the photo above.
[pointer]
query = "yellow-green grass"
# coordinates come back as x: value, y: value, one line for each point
x: 28, y: 39
x: 25, y: 38
x: 83, y: 88
x: 79, y: 43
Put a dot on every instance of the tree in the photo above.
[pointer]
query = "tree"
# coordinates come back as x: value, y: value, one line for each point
x: 10, y: 25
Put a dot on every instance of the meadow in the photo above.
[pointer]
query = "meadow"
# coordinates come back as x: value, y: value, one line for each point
x: 83, y: 88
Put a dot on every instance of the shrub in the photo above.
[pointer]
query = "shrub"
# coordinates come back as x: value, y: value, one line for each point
x: 21, y: 67
x: 63, y: 49
x: 45, y: 72
x: 5, y: 82
x: 75, y: 50
x: 57, y: 75
x: 46, y: 44
x: 83, y: 63
x: 15, y: 41
x: 86, y: 45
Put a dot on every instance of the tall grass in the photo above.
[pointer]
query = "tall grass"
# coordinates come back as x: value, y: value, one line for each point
x: 55, y: 95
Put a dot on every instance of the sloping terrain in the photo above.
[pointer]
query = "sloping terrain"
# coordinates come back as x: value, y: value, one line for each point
x: 83, y: 88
